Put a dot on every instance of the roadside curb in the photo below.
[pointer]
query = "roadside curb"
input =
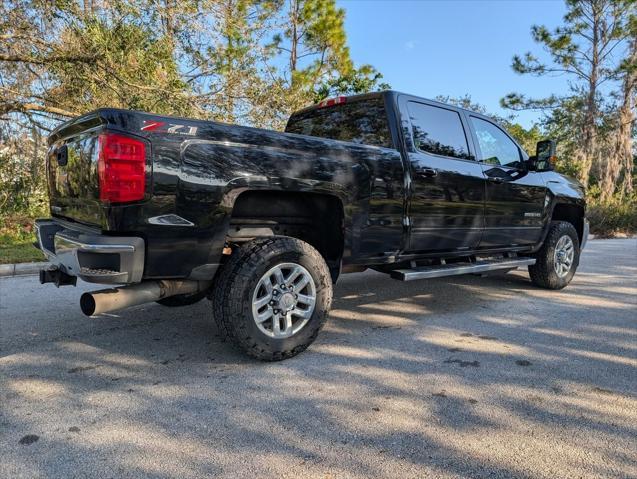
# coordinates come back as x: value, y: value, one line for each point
x: 20, y: 269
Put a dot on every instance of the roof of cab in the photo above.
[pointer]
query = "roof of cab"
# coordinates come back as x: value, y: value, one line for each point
x: 383, y: 93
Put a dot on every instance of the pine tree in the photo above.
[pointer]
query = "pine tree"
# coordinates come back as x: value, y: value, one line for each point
x: 584, y: 49
x: 313, y: 43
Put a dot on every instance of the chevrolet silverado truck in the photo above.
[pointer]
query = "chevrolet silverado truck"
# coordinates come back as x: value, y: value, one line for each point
x: 262, y: 223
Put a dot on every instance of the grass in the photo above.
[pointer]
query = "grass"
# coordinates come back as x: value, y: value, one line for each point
x: 17, y: 237
x: 20, y: 252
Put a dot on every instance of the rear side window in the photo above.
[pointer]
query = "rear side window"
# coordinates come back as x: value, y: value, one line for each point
x: 438, y: 131
x: 362, y: 121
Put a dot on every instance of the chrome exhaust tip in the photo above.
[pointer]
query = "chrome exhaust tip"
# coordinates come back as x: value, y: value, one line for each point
x: 113, y: 299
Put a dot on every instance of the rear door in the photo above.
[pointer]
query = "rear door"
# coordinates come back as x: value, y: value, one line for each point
x: 447, y: 185
x: 515, y: 197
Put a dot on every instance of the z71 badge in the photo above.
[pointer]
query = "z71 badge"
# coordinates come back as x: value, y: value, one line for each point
x: 163, y: 127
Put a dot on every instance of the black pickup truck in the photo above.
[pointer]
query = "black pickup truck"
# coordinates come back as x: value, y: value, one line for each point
x: 263, y: 223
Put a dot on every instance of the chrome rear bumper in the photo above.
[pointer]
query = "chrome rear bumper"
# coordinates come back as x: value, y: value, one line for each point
x: 93, y: 257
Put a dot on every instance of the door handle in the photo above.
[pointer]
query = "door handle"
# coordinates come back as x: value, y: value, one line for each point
x: 428, y: 172
x: 495, y: 179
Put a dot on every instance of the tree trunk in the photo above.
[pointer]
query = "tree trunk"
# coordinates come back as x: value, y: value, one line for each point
x: 627, y: 119
x: 616, y: 176
x: 168, y: 19
x: 294, y: 14
x: 589, y: 140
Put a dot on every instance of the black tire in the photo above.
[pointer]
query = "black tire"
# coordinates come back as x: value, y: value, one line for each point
x: 182, y: 299
x: 236, y: 284
x: 543, y: 273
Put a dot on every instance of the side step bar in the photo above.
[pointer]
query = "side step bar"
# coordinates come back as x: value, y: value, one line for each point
x: 454, y: 269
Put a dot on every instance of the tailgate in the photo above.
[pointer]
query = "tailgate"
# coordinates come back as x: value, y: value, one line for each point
x: 72, y: 173
x: 73, y: 180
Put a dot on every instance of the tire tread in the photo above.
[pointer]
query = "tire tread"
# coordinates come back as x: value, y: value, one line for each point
x: 227, y: 299
x: 542, y: 273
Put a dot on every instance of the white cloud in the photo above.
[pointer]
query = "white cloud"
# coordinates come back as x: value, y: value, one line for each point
x: 410, y: 45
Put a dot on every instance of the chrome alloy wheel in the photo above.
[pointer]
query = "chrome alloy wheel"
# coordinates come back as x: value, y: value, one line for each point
x: 283, y: 300
x: 563, y: 256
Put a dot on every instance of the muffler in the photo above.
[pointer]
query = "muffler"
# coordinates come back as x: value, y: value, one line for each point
x: 106, y: 300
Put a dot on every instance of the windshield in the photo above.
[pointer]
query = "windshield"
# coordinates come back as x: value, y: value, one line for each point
x: 361, y: 121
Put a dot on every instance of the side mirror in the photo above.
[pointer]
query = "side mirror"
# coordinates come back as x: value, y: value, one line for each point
x: 544, y: 159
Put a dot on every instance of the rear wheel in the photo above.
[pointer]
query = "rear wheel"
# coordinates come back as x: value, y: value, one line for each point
x: 558, y: 258
x: 273, y: 297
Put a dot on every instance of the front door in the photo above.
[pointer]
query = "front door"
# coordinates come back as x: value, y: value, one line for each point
x: 515, y: 197
x: 447, y: 185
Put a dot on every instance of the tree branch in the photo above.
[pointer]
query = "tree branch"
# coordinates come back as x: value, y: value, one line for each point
x: 27, y: 107
x: 47, y: 60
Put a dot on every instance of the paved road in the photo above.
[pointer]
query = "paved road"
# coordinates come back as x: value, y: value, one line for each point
x: 461, y: 377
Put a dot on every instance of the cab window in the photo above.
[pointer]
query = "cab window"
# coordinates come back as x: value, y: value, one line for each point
x: 359, y: 121
x: 438, y: 131
x: 495, y: 146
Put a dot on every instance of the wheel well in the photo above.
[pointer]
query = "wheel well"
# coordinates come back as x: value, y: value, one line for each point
x: 314, y: 218
x: 571, y: 213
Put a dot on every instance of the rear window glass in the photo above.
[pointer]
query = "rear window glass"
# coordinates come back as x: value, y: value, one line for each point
x: 363, y: 121
x: 438, y: 131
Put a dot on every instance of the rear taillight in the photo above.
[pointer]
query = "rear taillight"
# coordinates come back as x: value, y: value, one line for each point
x: 121, y: 168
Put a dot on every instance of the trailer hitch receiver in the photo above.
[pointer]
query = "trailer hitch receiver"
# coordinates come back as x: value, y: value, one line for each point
x: 56, y: 276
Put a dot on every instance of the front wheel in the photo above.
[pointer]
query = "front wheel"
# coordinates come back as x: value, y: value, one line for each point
x: 273, y: 297
x: 558, y: 258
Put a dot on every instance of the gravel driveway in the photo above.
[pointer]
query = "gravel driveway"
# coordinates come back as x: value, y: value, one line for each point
x: 456, y: 377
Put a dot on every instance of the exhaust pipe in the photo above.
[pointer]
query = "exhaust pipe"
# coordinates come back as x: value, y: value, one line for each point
x: 106, y: 300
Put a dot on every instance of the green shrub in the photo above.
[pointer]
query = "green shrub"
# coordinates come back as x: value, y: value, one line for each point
x: 17, y: 237
x: 614, y: 217
x: 16, y: 228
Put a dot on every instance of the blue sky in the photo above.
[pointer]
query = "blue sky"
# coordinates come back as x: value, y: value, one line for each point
x: 454, y: 47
